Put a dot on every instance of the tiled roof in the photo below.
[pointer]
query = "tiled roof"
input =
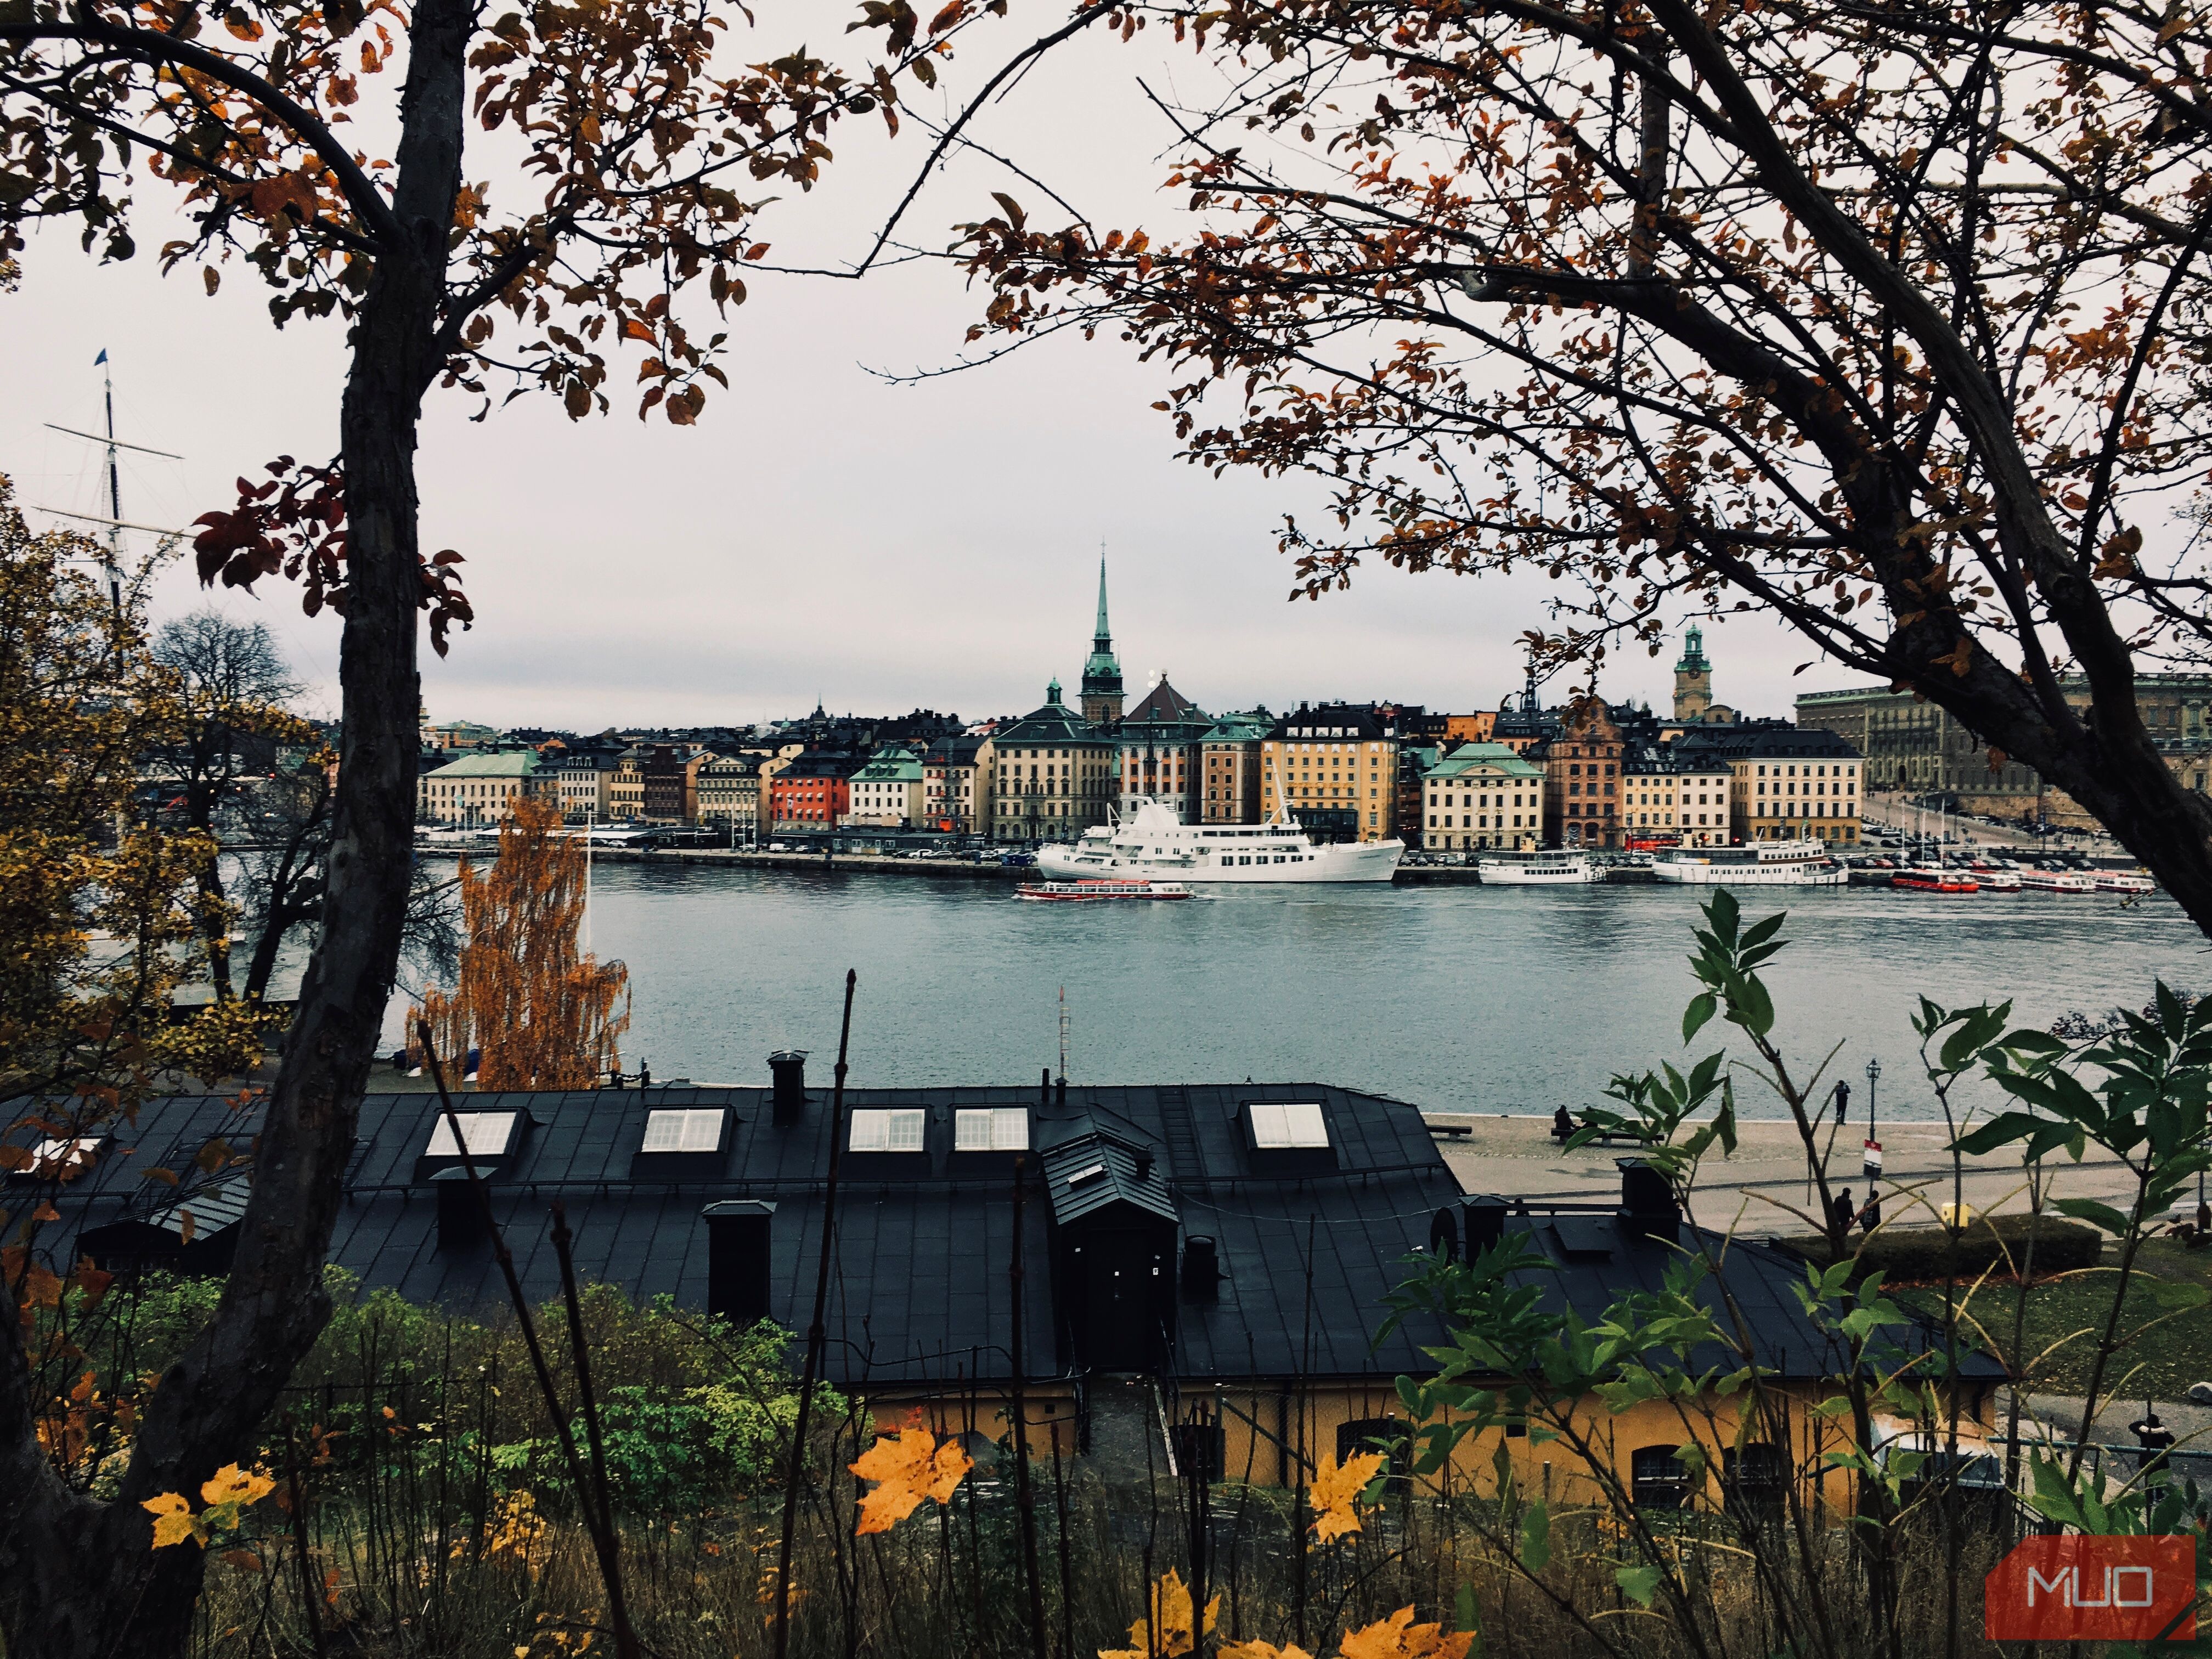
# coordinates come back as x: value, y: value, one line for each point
x: 1164, y: 705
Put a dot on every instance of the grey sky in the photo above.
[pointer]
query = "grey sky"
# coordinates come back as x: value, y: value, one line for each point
x: 820, y: 532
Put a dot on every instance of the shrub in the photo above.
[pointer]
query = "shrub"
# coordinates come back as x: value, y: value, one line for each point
x: 1988, y: 1244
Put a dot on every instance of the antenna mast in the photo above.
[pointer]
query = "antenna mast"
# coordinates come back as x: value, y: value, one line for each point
x: 1063, y: 1033
x: 114, y: 492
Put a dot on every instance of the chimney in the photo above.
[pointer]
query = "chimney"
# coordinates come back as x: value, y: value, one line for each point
x: 1142, y: 1158
x: 1648, y: 1208
x: 1201, y: 1269
x: 460, y: 1212
x: 1443, y: 1236
x: 737, y: 1260
x: 1044, y: 1086
x: 787, y: 1067
x: 1485, y: 1222
x: 1060, y: 1093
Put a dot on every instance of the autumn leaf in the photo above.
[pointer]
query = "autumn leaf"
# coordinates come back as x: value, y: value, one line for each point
x: 232, y: 1484
x: 1172, y: 1629
x: 1262, y: 1650
x: 907, y: 1467
x: 172, y: 1520
x: 1398, y: 1638
x: 1336, y: 1491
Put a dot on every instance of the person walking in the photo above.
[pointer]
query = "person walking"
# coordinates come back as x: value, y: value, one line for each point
x: 1844, y: 1211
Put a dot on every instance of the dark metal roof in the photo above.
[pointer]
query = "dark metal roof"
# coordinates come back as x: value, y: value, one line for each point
x: 920, y: 1290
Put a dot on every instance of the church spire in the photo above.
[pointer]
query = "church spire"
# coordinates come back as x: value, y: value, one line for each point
x: 1101, y: 673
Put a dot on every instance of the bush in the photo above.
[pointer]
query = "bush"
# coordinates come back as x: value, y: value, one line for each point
x: 1988, y: 1245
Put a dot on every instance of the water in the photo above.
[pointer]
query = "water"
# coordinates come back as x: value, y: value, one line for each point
x: 1461, y: 999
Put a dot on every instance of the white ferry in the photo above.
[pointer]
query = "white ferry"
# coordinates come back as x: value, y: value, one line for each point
x: 2057, y: 881
x: 2124, y: 881
x: 1085, y: 892
x: 1556, y: 868
x: 1152, y: 842
x: 1764, y: 864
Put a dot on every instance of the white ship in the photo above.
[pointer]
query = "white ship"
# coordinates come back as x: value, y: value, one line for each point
x: 2125, y: 881
x: 2057, y: 881
x: 1152, y: 842
x: 1764, y: 864
x: 1556, y: 868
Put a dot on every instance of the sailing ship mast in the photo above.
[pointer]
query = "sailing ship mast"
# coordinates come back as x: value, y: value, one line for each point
x: 115, y: 521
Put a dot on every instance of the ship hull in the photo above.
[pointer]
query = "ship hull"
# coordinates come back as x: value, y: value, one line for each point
x: 1299, y: 863
x: 1749, y: 875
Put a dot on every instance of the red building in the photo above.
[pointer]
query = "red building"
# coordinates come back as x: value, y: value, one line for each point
x: 813, y: 792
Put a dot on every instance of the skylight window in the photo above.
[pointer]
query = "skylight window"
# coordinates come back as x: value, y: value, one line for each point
x: 64, y: 1158
x: 880, y: 1130
x: 1278, y: 1124
x: 991, y: 1129
x: 486, y: 1134
x: 690, y: 1129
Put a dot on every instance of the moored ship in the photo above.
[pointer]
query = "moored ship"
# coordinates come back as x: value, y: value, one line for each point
x: 1085, y: 892
x: 1764, y: 864
x: 1556, y: 868
x: 1152, y: 842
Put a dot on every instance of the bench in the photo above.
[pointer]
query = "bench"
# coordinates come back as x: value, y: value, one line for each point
x: 1451, y: 1128
x: 1603, y: 1138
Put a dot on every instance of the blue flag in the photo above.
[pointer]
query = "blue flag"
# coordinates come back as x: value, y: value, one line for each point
x: 101, y: 359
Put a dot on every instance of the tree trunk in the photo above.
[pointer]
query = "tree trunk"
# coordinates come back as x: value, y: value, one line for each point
x: 81, y: 1580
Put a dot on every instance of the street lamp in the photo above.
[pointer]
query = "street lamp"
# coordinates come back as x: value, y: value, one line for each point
x: 1873, y: 1160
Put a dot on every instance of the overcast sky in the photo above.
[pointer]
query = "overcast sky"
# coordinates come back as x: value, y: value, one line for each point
x: 820, y: 532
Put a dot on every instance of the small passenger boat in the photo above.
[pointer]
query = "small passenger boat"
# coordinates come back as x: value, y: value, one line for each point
x: 2124, y: 881
x: 1930, y: 879
x: 1085, y: 892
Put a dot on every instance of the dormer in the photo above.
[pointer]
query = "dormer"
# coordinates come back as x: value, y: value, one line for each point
x: 1287, y: 1137
x: 682, y: 1143
x: 493, y: 1140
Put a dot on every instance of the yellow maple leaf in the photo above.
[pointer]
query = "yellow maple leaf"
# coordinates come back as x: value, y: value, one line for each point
x: 1335, y: 1493
x: 1171, y: 1631
x: 232, y: 1484
x: 1263, y: 1650
x: 907, y: 1467
x: 1398, y: 1638
x: 172, y: 1520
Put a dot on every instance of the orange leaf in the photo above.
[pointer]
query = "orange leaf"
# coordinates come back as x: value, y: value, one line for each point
x: 172, y: 1520
x: 907, y: 1467
x: 1173, y: 1628
x: 1262, y: 1650
x: 634, y: 330
x: 1336, y: 1491
x: 1398, y: 1638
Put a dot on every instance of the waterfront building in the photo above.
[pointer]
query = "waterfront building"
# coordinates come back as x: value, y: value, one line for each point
x: 1335, y: 766
x: 1786, y: 783
x: 1162, y: 749
x: 729, y: 795
x: 459, y: 734
x: 1674, y: 796
x: 1923, y: 750
x: 1229, y: 756
x: 1168, y: 1285
x: 1582, y: 776
x: 586, y: 781
x: 478, y: 789
x: 1055, y: 773
x: 888, y: 792
x: 1693, y: 686
x: 1476, y: 727
x: 812, y: 791
x: 1480, y: 796
x: 626, y: 787
x: 956, y: 784
x: 669, y: 783
x: 1101, y: 690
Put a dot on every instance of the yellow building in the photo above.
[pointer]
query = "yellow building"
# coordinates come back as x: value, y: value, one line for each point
x: 480, y: 789
x: 1671, y: 799
x: 1482, y: 795
x: 626, y: 787
x: 1334, y: 767
x: 1785, y: 782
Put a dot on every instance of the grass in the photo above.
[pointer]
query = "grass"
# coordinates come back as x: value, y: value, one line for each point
x: 2066, y: 1314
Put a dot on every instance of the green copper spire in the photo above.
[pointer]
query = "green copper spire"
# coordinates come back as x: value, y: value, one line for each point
x: 1694, y: 652
x: 1101, y: 673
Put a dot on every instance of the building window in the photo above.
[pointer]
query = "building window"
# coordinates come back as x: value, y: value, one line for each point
x: 991, y: 1129
x: 1277, y: 1124
x: 691, y: 1129
x: 1658, y: 1478
x: 877, y: 1130
x: 485, y: 1134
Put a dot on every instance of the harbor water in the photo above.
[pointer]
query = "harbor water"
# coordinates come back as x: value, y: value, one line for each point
x: 1461, y: 999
